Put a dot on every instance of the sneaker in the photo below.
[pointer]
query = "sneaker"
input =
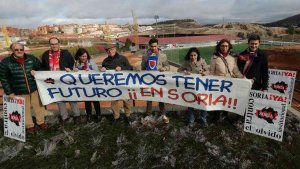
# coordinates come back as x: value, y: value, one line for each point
x: 165, y: 119
x: 63, y: 122
x: 190, y: 124
x: 30, y: 131
x: 77, y: 119
x: 116, y: 121
x: 127, y: 120
x: 204, y: 124
x: 98, y: 119
x: 88, y: 118
x: 43, y: 126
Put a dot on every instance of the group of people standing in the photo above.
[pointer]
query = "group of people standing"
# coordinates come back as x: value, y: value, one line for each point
x: 17, y: 76
x: 252, y: 64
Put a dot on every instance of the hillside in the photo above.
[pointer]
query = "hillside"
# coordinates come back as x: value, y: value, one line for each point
x: 235, y: 29
x: 287, y: 22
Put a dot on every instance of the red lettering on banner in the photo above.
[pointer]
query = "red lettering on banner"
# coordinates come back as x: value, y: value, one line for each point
x: 220, y: 99
x: 203, y: 98
x: 17, y: 101
x: 190, y: 97
x: 173, y: 92
x: 132, y: 94
x: 281, y: 87
x: 145, y: 91
x: 207, y: 100
x: 185, y: 95
x: 14, y: 118
x: 277, y: 98
x: 234, y: 103
x: 159, y: 92
x: 289, y: 74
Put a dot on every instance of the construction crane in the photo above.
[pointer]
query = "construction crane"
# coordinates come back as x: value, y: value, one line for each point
x: 6, y: 41
x: 135, y: 29
x: 107, y: 33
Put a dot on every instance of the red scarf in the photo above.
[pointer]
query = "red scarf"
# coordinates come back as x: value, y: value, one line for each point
x: 54, y: 60
x: 20, y: 60
x: 224, y: 54
x: 249, y: 57
x: 85, y: 66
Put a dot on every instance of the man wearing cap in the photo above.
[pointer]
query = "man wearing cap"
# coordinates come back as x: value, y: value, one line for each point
x: 16, y: 75
x: 155, y: 60
x: 57, y: 59
x: 117, y: 62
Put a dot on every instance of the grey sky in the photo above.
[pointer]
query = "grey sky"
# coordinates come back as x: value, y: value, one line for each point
x: 33, y: 13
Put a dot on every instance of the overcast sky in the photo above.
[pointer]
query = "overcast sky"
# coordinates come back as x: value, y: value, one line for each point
x: 33, y: 13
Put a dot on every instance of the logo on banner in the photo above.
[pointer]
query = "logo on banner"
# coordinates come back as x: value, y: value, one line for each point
x: 49, y: 80
x: 279, y: 86
x: 15, y: 117
x: 268, y: 114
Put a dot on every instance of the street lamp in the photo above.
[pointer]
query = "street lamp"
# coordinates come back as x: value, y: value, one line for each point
x: 294, y: 27
x: 156, y: 17
x: 174, y: 30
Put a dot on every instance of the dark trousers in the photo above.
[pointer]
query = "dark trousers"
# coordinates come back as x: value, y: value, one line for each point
x: 161, y: 108
x: 88, y: 107
x: 217, y: 115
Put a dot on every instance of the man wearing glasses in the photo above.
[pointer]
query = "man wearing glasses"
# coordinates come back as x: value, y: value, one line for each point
x: 16, y: 75
x: 57, y: 59
x: 117, y: 62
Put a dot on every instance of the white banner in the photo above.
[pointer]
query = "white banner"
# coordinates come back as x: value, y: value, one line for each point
x: 265, y: 115
x: 200, y: 92
x: 282, y: 82
x: 14, y: 118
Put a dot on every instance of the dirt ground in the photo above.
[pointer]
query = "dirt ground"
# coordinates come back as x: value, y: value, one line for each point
x: 287, y: 58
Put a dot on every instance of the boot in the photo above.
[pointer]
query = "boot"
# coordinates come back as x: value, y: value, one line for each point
x: 88, y: 118
x: 98, y: 118
x: 77, y: 120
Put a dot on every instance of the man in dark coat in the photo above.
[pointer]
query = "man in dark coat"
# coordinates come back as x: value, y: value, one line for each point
x: 117, y: 62
x: 253, y: 63
x: 17, y: 78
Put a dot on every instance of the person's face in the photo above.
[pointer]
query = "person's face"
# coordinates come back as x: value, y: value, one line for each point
x: 224, y: 47
x: 18, y: 50
x: 83, y: 58
x: 54, y: 45
x: 154, y: 47
x: 253, y: 45
x: 111, y: 52
x: 193, y: 57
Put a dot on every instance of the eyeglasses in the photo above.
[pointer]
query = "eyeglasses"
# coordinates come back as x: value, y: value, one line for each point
x: 18, y: 50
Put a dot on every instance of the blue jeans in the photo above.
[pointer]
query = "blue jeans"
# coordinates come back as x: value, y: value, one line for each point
x: 202, y: 115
